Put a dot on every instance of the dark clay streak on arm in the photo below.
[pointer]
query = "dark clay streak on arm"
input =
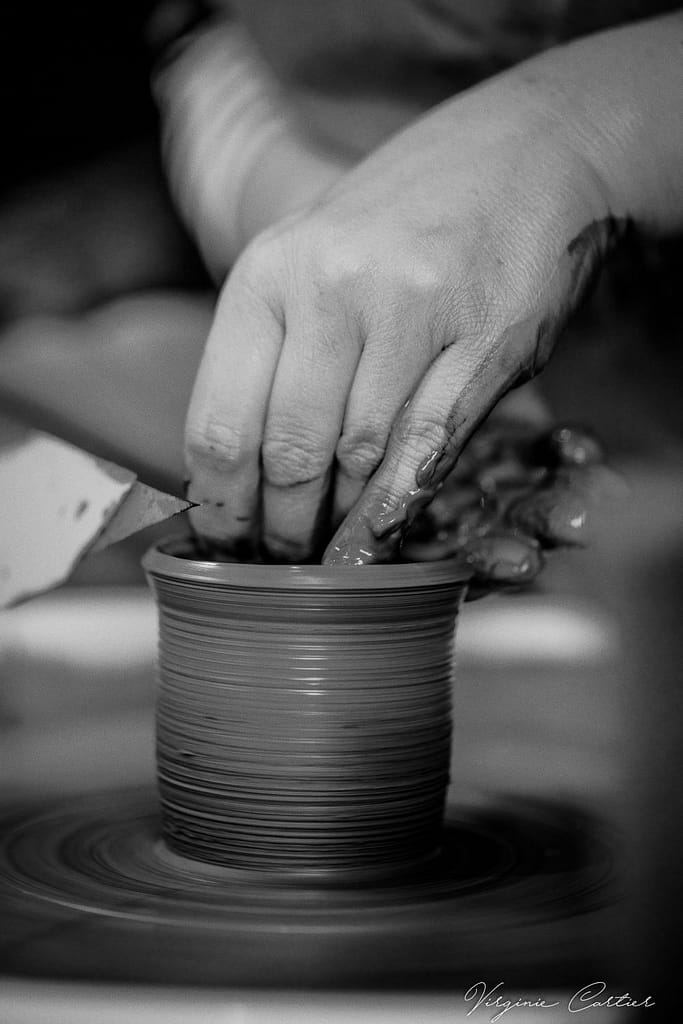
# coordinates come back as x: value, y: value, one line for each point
x: 375, y: 535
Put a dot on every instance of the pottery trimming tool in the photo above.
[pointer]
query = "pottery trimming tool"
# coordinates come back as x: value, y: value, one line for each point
x: 61, y: 504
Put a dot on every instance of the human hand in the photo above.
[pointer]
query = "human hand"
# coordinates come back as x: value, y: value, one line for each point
x: 357, y: 345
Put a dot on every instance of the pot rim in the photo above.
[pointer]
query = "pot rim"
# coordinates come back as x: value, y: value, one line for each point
x: 163, y: 560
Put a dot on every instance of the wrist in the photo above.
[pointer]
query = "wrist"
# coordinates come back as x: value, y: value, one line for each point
x: 170, y: 26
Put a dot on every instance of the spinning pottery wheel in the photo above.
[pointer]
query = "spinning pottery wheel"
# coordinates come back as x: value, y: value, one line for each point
x: 92, y: 892
x: 307, y: 848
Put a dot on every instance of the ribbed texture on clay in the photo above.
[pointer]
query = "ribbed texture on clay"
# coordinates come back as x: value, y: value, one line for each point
x: 303, y: 728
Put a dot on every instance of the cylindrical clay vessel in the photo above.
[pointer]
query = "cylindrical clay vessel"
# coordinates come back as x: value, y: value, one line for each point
x: 303, y: 716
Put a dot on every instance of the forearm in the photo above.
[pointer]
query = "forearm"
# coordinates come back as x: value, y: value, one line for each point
x: 621, y: 95
x: 236, y: 159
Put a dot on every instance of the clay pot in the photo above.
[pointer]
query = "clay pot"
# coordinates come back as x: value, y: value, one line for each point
x: 303, y: 716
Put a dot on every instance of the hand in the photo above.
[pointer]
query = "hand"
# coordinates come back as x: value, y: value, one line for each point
x: 357, y: 345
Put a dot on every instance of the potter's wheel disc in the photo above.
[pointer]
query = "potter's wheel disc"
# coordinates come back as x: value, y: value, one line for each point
x: 87, y: 890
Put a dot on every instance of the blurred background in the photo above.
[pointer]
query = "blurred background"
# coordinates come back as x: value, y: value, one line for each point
x: 570, y: 693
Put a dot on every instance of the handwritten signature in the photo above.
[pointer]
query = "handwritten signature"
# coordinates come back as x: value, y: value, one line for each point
x: 590, y: 997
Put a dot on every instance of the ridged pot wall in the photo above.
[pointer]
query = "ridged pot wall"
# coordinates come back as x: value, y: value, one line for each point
x: 303, y: 716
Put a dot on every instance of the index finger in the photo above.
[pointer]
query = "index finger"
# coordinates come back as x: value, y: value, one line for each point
x: 227, y: 412
x: 460, y: 388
